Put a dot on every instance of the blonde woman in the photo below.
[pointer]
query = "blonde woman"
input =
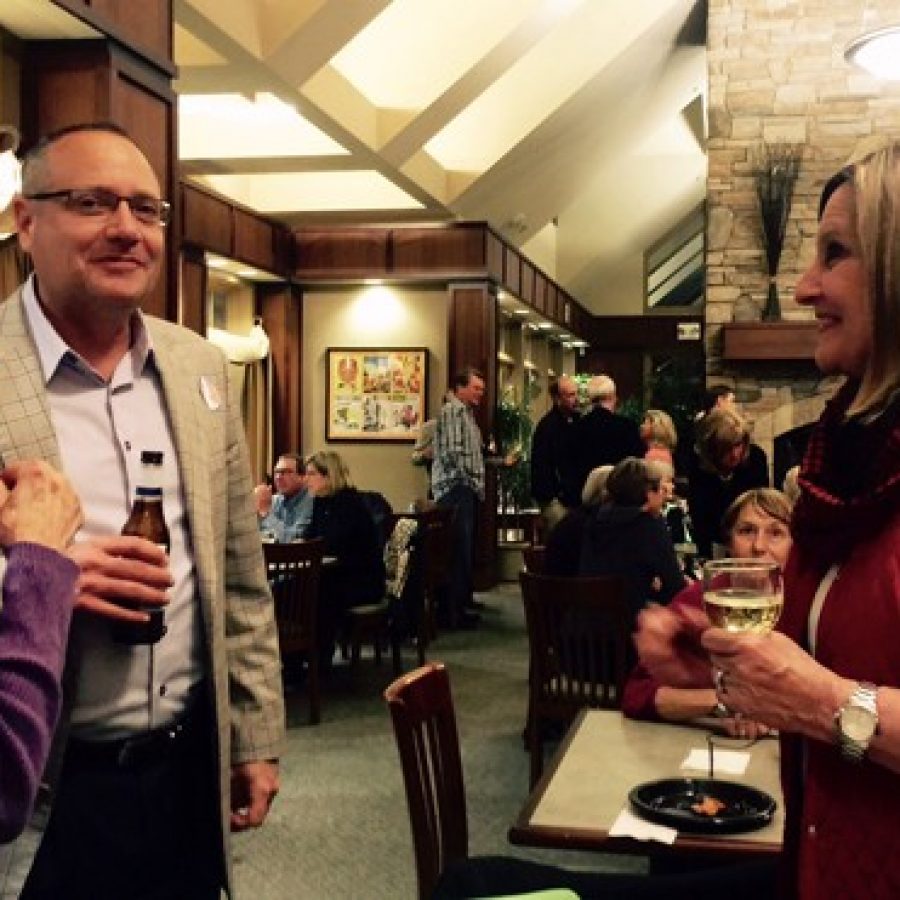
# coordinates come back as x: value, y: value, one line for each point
x: 829, y: 678
x: 341, y: 518
x: 659, y: 434
x: 725, y: 464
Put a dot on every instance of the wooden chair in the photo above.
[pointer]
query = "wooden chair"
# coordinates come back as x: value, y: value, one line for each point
x: 385, y: 622
x: 424, y: 720
x: 437, y: 549
x: 293, y: 571
x: 533, y: 557
x: 579, y: 650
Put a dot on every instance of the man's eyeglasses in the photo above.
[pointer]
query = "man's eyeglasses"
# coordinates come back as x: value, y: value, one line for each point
x: 286, y: 472
x: 100, y: 202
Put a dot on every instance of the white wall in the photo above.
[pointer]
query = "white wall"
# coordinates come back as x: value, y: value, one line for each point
x: 385, y: 317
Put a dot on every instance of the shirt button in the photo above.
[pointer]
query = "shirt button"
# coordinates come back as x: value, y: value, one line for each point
x: 811, y: 831
x: 127, y: 445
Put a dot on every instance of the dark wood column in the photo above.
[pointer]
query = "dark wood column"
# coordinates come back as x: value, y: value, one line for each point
x: 472, y: 341
x: 279, y: 306
x: 192, y: 305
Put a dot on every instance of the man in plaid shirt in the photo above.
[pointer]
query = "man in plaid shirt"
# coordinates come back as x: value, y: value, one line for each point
x: 457, y: 481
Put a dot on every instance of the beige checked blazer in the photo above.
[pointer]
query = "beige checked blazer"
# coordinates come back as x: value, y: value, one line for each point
x: 238, y: 616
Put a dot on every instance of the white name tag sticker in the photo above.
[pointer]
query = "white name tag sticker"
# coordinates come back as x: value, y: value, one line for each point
x: 210, y: 392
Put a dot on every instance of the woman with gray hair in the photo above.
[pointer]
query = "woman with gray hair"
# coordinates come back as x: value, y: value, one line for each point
x: 563, y: 553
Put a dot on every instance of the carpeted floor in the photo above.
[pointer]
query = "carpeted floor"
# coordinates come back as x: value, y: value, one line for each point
x: 339, y: 828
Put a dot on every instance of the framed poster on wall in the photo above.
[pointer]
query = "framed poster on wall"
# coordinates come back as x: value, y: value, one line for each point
x: 377, y: 394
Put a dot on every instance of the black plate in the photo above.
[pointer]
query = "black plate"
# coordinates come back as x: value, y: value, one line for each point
x: 669, y: 802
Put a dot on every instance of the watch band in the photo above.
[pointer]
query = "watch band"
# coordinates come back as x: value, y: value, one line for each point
x: 861, y: 702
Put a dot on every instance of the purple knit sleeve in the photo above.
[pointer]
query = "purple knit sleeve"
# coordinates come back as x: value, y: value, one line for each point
x: 38, y: 591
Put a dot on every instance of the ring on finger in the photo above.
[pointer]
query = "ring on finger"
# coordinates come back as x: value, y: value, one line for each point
x: 719, y: 681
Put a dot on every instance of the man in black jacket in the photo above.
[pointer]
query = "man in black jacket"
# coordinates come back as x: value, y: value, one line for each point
x: 603, y: 437
x: 555, y: 467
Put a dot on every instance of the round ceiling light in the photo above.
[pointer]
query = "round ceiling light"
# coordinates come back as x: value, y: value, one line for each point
x: 878, y: 52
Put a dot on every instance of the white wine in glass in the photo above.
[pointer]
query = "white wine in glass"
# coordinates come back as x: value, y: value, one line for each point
x: 743, y: 595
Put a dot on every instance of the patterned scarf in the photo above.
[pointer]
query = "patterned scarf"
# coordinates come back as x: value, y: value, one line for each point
x: 850, y: 479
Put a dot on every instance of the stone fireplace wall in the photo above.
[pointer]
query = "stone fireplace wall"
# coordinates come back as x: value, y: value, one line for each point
x: 777, y: 74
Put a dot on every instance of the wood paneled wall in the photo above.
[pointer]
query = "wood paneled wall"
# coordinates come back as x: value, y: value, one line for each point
x: 436, y: 253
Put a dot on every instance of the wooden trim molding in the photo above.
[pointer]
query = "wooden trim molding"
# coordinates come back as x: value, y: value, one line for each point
x: 744, y: 341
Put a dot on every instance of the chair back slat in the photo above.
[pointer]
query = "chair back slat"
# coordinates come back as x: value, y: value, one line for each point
x: 424, y: 721
x: 293, y: 573
x: 579, y: 649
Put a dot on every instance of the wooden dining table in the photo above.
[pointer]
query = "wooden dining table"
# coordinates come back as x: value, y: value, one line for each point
x: 603, y: 756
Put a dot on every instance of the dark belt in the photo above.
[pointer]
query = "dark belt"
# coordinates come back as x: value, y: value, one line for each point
x: 137, y: 752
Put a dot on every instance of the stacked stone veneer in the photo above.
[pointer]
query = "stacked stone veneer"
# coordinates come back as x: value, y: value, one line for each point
x: 777, y: 74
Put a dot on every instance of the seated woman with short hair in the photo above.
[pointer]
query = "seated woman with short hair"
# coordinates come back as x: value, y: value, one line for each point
x: 627, y: 537
x: 758, y: 526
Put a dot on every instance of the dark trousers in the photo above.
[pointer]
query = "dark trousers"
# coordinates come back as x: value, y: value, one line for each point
x: 146, y: 828
x: 463, y: 500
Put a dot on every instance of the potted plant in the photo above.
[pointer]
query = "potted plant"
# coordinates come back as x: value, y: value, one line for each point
x: 514, y: 430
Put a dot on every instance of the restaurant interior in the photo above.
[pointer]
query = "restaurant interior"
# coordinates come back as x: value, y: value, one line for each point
x: 535, y: 188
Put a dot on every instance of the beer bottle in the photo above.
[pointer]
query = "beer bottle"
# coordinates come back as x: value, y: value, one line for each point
x: 147, y: 521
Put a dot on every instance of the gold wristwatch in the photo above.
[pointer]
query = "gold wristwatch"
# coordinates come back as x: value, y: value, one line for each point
x: 856, y: 722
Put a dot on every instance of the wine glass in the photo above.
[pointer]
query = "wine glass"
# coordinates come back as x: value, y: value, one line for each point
x: 743, y: 595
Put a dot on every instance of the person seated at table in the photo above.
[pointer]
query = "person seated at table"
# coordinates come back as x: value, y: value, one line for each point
x: 723, y: 466
x: 286, y: 515
x: 39, y: 514
x: 627, y: 537
x: 341, y: 518
x: 659, y: 434
x: 563, y: 550
x: 758, y: 527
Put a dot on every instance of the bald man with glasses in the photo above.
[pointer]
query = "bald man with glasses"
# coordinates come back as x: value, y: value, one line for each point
x: 163, y: 748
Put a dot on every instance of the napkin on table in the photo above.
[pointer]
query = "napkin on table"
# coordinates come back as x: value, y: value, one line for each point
x: 627, y: 824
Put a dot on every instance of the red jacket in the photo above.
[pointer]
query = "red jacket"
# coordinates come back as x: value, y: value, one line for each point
x: 842, y: 835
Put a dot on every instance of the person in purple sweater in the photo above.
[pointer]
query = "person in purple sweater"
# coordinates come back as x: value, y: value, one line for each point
x: 39, y: 514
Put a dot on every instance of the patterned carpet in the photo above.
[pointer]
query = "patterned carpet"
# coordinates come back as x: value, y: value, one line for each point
x: 339, y: 828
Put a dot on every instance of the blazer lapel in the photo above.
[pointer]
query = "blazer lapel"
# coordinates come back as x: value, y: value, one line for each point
x: 26, y: 429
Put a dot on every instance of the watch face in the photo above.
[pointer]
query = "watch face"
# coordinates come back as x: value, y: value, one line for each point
x: 858, y: 724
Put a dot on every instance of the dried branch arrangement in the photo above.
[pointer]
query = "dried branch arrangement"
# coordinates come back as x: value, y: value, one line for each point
x: 774, y: 175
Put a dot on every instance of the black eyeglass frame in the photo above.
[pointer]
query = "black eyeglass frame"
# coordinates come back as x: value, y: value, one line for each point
x: 104, y: 198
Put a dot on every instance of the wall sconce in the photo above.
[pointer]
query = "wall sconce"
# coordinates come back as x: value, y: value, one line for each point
x: 10, y: 177
x: 878, y: 52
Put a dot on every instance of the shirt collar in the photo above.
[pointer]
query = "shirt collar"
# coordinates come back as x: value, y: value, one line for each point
x: 54, y: 352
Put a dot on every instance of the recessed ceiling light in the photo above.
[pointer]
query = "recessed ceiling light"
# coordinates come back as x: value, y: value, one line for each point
x: 545, y: 326
x: 521, y: 311
x: 878, y: 52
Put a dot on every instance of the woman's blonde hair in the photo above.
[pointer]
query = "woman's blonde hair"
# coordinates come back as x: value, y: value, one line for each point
x: 662, y: 428
x: 717, y: 432
x: 767, y: 500
x: 874, y: 177
x: 331, y: 465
